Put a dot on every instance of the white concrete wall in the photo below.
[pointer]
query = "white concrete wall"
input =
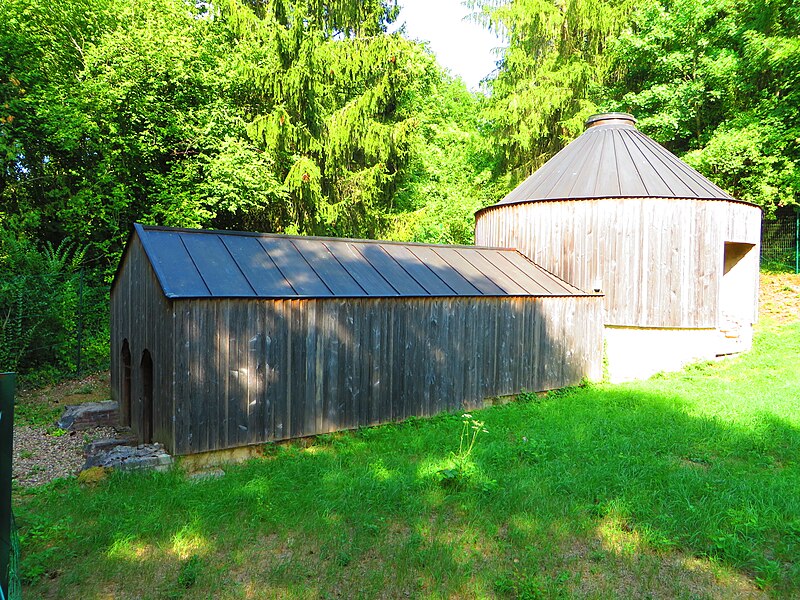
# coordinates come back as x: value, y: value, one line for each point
x: 638, y: 353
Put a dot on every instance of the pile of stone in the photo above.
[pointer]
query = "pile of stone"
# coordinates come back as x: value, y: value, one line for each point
x: 118, y: 452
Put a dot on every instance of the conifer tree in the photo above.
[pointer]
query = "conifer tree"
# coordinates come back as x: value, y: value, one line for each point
x: 553, y: 67
x: 325, y: 89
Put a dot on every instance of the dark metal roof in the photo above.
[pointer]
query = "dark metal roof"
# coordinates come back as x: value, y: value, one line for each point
x: 196, y: 263
x: 612, y: 159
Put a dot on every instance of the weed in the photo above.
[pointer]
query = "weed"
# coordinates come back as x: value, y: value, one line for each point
x: 86, y: 388
x: 26, y: 454
x: 526, y: 396
x: 461, y: 466
x: 35, y: 414
x: 56, y: 431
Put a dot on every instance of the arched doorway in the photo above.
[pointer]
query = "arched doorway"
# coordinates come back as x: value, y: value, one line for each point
x: 125, y: 401
x: 147, y: 398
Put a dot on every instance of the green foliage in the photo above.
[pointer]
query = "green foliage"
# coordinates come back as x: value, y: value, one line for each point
x: 717, y: 79
x: 291, y: 116
x: 38, y: 303
x: 189, y: 571
x: 551, y: 73
x: 451, y: 171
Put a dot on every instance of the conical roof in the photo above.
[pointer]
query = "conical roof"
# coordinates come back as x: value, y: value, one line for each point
x: 612, y: 159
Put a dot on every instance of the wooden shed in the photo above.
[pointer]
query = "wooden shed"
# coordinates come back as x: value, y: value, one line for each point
x: 227, y: 339
x: 675, y: 256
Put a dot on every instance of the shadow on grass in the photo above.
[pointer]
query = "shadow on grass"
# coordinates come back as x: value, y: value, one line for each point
x: 593, y: 491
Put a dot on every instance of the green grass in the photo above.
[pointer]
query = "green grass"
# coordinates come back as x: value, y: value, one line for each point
x: 683, y: 486
x: 42, y: 407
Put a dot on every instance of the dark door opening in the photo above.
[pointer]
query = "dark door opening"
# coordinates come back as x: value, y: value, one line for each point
x: 147, y: 398
x: 125, y: 408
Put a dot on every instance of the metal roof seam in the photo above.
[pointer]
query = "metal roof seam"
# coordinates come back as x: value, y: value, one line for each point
x: 555, y: 280
x: 671, y: 163
x: 435, y: 274
x: 375, y: 268
x: 602, y: 153
x: 575, y: 157
x: 235, y: 262
x: 504, y: 272
x: 303, y: 256
x: 647, y: 155
x: 587, y: 155
x: 277, y: 266
x: 417, y: 281
x: 447, y: 262
x: 635, y: 169
x: 696, y: 177
x: 194, y: 264
x: 528, y: 277
x: 666, y: 159
x: 325, y: 245
x: 486, y: 276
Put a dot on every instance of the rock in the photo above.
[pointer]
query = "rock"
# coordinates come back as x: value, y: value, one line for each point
x: 129, y: 458
x: 103, y: 445
x: 88, y: 415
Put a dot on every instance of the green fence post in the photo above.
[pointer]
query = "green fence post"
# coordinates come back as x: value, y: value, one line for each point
x: 7, y: 385
x: 797, y: 240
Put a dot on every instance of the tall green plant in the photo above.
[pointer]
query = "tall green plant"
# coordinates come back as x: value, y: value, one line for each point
x: 38, y: 304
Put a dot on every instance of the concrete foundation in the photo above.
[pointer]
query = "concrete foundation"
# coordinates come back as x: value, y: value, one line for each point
x: 638, y: 353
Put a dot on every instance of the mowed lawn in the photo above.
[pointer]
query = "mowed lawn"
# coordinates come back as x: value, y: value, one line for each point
x: 683, y: 486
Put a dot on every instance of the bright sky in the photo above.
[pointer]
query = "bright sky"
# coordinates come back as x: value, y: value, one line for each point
x: 460, y: 45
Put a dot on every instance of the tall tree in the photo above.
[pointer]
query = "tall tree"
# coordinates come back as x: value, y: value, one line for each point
x: 716, y: 81
x: 551, y: 73
x: 328, y: 91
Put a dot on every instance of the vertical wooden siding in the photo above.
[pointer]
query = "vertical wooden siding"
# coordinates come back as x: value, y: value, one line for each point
x: 141, y: 314
x: 657, y: 260
x: 251, y: 371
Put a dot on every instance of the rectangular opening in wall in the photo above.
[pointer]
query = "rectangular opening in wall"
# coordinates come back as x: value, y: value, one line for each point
x: 734, y: 253
x: 738, y: 291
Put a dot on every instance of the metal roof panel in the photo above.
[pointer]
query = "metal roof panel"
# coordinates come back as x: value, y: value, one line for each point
x: 459, y: 260
x: 216, y: 266
x: 360, y: 269
x: 261, y: 272
x: 174, y: 265
x: 205, y: 264
x: 452, y: 278
x: 423, y: 275
x: 612, y: 159
x: 327, y: 268
x: 303, y: 279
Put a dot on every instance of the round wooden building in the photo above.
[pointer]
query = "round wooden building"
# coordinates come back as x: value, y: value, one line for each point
x: 675, y: 256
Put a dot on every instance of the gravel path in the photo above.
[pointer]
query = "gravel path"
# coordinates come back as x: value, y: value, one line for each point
x: 40, y: 457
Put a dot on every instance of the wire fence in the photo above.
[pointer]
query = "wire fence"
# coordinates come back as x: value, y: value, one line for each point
x: 780, y: 240
x: 14, y: 573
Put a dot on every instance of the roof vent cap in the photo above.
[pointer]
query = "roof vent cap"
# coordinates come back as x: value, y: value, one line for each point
x: 612, y: 118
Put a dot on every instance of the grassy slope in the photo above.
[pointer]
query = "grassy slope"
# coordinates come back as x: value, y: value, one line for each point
x: 682, y: 486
